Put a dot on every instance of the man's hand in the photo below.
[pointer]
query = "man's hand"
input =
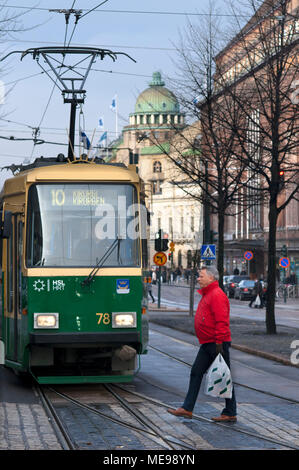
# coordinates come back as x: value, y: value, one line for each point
x: 219, y: 348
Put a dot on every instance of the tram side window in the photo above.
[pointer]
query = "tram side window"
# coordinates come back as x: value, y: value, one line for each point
x: 9, y: 273
x: 34, y: 235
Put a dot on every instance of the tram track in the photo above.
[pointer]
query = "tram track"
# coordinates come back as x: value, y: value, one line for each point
x: 205, y: 420
x: 60, y: 429
x: 145, y: 426
x: 169, y: 440
x: 289, y: 400
x: 149, y: 429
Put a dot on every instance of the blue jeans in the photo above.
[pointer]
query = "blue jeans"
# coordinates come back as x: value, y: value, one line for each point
x: 204, y: 358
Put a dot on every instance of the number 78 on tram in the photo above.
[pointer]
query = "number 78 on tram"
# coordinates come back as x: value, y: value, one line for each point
x: 74, y: 262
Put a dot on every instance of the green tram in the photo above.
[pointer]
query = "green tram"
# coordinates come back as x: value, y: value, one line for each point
x: 74, y: 272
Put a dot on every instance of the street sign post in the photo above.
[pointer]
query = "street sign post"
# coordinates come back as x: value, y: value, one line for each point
x: 248, y: 255
x: 208, y: 252
x: 284, y: 263
x: 160, y: 259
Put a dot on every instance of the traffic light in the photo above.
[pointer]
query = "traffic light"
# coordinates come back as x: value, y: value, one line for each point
x: 161, y: 244
x: 284, y: 250
x: 171, y: 246
x: 281, y: 179
x: 213, y: 236
x: 170, y: 256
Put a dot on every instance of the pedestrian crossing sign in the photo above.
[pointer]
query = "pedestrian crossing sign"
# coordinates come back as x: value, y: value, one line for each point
x: 208, y: 252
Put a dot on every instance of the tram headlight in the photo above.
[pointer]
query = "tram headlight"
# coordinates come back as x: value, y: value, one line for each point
x: 123, y: 319
x: 46, y: 320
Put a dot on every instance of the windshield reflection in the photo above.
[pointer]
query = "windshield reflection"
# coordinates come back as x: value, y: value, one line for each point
x: 75, y: 224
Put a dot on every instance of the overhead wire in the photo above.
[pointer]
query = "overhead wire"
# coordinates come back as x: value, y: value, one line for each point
x: 104, y: 46
x: 139, y: 12
x: 93, y: 9
x: 53, y: 89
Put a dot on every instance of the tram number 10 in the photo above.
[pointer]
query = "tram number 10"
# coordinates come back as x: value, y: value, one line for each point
x: 103, y: 318
x: 58, y: 197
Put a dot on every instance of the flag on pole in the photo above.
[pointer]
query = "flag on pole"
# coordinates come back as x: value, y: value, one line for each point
x: 101, y: 123
x: 103, y: 137
x: 113, y: 104
x: 196, y: 100
x: 85, y: 140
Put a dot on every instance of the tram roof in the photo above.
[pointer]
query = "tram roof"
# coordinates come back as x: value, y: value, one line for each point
x: 47, y: 170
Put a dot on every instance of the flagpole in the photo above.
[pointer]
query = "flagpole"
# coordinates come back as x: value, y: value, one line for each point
x: 116, y: 113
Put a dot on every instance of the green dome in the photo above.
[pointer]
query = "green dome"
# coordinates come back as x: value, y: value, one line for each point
x: 157, y: 98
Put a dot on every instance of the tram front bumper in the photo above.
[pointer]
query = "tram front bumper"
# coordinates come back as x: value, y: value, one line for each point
x: 84, y: 357
x: 99, y: 338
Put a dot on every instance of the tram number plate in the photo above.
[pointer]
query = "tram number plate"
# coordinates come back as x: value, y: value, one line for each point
x: 103, y: 318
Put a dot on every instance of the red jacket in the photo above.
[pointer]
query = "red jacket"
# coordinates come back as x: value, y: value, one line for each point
x: 212, y: 316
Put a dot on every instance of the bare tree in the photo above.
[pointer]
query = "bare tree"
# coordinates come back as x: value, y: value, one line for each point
x: 204, y: 152
x: 258, y: 71
x: 247, y: 106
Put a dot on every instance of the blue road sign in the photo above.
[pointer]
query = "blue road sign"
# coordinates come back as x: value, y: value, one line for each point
x: 208, y: 252
x: 284, y: 262
x: 248, y: 255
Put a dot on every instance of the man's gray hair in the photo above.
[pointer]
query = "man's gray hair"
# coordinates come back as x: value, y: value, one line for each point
x: 211, y: 271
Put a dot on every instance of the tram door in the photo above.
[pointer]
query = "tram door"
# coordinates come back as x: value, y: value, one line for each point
x: 14, y: 288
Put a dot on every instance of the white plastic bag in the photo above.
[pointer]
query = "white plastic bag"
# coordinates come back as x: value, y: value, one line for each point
x: 257, y: 301
x: 218, y: 379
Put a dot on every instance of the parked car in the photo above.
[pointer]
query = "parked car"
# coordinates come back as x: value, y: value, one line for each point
x: 244, y: 289
x: 233, y: 281
x: 225, y: 281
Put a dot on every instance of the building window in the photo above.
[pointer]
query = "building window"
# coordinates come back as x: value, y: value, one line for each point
x: 170, y: 225
x: 180, y: 258
x: 192, y: 223
x: 253, y: 137
x: 156, y: 188
x: 157, y: 167
x: 133, y: 158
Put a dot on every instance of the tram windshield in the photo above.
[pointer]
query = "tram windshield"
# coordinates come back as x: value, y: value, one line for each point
x: 75, y: 225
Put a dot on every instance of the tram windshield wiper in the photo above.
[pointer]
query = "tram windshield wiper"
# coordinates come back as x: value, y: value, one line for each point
x: 101, y: 262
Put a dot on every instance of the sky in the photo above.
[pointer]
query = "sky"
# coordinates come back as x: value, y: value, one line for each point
x: 147, y: 31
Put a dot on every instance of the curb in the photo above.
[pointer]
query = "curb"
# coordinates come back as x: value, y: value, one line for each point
x: 265, y: 355
x: 163, y: 309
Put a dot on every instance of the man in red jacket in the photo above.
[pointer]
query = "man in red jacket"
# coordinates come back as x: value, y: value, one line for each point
x: 213, y: 332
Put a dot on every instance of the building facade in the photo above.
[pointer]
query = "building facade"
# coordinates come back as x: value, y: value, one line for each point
x: 152, y: 135
x: 272, y: 33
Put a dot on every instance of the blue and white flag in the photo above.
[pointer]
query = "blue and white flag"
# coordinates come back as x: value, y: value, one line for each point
x: 85, y: 140
x: 101, y: 123
x: 196, y: 100
x: 113, y: 104
x: 103, y: 137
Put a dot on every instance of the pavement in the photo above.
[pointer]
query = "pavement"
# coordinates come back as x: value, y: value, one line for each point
x: 248, y: 334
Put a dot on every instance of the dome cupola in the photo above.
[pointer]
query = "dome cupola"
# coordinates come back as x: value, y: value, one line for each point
x: 156, y: 106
